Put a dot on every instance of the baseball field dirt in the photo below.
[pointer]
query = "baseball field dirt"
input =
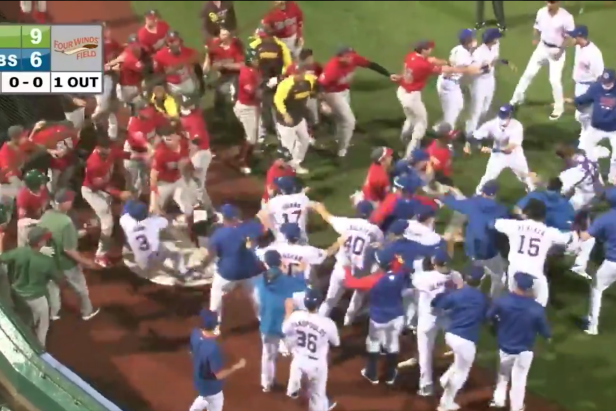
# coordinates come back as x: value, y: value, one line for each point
x: 135, y: 351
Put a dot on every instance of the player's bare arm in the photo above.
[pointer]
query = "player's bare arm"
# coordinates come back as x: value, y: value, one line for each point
x: 226, y: 372
x: 320, y: 209
x: 154, y: 208
x: 207, y: 61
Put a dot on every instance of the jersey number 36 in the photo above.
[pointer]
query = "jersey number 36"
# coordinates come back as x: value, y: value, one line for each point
x: 307, y: 341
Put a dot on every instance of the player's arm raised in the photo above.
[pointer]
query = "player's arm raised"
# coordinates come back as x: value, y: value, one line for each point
x: 481, y: 133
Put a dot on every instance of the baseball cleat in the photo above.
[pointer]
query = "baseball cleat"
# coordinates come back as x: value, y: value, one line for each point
x: 245, y: 170
x: 411, y: 362
x: 54, y: 317
x: 479, y: 26
x: 426, y: 391
x: 217, y: 330
x: 372, y: 380
x: 91, y: 315
x: 581, y: 272
x: 392, y: 380
x: 332, y: 405
x: 591, y: 331
x: 448, y: 354
x: 449, y: 407
x: 556, y: 114
x: 293, y: 395
x: 267, y: 388
x: 342, y: 153
x: 301, y: 170
x: 496, y: 404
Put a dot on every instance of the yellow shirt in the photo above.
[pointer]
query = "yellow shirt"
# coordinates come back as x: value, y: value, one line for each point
x: 287, y: 60
x: 285, y: 87
x: 170, y: 107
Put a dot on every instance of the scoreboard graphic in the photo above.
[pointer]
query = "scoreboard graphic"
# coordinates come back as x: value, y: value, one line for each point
x: 51, y: 59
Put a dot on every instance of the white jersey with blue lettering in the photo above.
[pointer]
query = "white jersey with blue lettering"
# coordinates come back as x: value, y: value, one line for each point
x: 296, y: 255
x: 143, y: 237
x: 309, y: 335
x: 359, y: 234
x: 424, y: 235
x: 583, y: 178
x: 428, y: 285
x: 288, y: 208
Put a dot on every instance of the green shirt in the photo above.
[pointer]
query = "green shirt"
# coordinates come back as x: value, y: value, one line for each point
x: 29, y: 271
x: 64, y: 236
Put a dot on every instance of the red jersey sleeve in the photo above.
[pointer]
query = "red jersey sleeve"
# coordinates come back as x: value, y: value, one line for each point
x: 359, y: 61
x: 363, y: 283
x: 384, y: 209
x: 329, y: 74
x: 300, y: 19
x: 158, y: 161
x: 22, y: 203
x: 427, y: 201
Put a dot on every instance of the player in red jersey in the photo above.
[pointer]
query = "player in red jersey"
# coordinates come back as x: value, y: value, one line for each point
x: 376, y: 185
x: 13, y: 156
x: 195, y: 129
x: 60, y: 140
x: 287, y: 21
x: 177, y: 61
x: 111, y: 50
x: 37, y: 10
x: 279, y: 168
x: 247, y: 107
x: 172, y: 176
x: 152, y: 34
x: 440, y: 157
x: 32, y: 200
x: 225, y: 56
x: 99, y: 192
x: 418, y: 67
x: 140, y: 141
x: 335, y: 82
x: 307, y: 63
x: 131, y: 70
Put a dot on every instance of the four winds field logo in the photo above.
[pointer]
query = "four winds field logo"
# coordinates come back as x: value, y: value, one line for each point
x: 80, y: 47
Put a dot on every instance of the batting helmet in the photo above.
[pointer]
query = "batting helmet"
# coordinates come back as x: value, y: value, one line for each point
x: 34, y: 180
x: 312, y: 299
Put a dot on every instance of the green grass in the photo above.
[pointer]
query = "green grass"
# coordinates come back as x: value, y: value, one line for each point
x: 576, y: 371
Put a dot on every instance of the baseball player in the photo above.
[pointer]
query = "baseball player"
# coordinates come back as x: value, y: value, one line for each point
x: 215, y: 13
x: 418, y: 67
x: 581, y: 177
x: 209, y: 372
x: 480, y: 242
x: 309, y: 336
x: 466, y: 307
x: 275, y: 292
x: 518, y: 320
x: 248, y: 105
x: 279, y: 168
x: 483, y: 85
x: 448, y: 85
x: 385, y: 289
x: 287, y: 21
x: 507, y: 151
x: 131, y: 68
x: 177, y: 61
x: 98, y: 191
x: 153, y: 33
x: 307, y: 63
x: 587, y: 68
x: 551, y: 26
x: 428, y: 284
x: 530, y: 240
x: 335, y: 81
x: 359, y: 234
x: 142, y: 232
x: 601, y: 97
x: 603, y: 228
x: 377, y: 182
x: 195, y: 129
x: 236, y: 262
x: 31, y: 201
x: 289, y: 206
x: 35, y: 9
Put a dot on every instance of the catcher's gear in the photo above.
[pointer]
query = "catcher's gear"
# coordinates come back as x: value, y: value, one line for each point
x: 34, y: 180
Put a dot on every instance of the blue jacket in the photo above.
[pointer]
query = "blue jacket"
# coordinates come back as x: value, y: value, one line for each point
x: 385, y: 297
x: 410, y: 251
x: 603, y: 106
x: 272, y: 296
x: 559, y: 211
x: 236, y: 261
x: 518, y: 320
x: 466, y: 309
x: 480, y: 236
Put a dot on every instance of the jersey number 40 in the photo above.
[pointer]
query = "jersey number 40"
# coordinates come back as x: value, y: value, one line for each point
x: 355, y: 245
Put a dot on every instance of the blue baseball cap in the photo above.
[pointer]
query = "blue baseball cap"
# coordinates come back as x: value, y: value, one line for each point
x: 209, y: 319
x: 272, y: 258
x: 285, y: 184
x: 398, y: 227
x: 465, y: 35
x: 579, y: 31
x: 490, y: 188
x: 425, y: 212
x: 384, y: 257
x: 440, y: 257
x: 402, y: 167
x: 610, y: 196
x: 524, y: 281
x: 608, y: 76
x: 137, y: 210
x: 291, y: 231
x: 229, y: 211
x: 408, y: 183
x: 490, y: 35
x: 312, y: 299
x: 364, y: 208
x: 505, y: 111
x: 418, y: 155
x: 475, y: 273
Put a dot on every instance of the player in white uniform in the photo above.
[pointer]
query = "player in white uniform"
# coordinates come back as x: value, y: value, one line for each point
x: 448, y: 85
x: 587, y: 68
x: 428, y: 285
x: 309, y: 336
x: 507, y: 151
x: 288, y: 206
x: 550, y: 29
x: 142, y: 233
x: 483, y: 85
x: 358, y: 234
x: 530, y: 240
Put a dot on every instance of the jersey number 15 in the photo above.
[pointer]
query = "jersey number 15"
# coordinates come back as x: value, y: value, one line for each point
x: 530, y: 248
x: 307, y: 341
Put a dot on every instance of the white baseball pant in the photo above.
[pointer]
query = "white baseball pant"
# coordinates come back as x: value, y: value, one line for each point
x: 249, y: 116
x: 589, y: 142
x: 77, y: 117
x: 544, y: 54
x: 296, y: 139
x: 482, y: 93
x: 385, y: 335
x: 8, y: 191
x: 334, y: 293
x: 340, y: 104
x: 103, y: 105
x: 427, y: 331
x: 127, y: 94
x: 314, y: 372
x: 183, y: 192
x: 209, y: 403
x: 516, y: 162
x: 221, y: 286
x: 269, y: 354
x: 291, y: 43
x: 27, y: 6
x: 451, y: 98
x: 456, y: 375
x: 582, y: 116
x: 541, y: 287
x: 514, y: 367
x: 59, y: 178
x: 201, y: 160
x: 24, y: 225
x: 100, y: 202
x: 495, y: 267
x: 416, y: 121
x: 605, y: 276
x: 187, y: 87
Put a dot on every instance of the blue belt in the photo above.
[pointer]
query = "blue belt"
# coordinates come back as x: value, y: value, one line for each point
x: 554, y: 46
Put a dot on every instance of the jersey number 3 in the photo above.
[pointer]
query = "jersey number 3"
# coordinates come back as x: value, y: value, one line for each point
x: 530, y: 248
x: 144, y: 245
x: 307, y: 341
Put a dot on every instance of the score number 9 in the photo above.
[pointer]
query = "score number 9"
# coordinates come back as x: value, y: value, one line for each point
x: 35, y: 38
